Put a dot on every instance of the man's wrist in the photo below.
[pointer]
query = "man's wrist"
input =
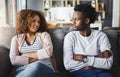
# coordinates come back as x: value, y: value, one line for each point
x: 85, y: 59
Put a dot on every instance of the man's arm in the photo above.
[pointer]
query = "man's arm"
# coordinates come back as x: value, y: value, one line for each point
x: 79, y: 57
x: 104, y: 54
x: 69, y: 62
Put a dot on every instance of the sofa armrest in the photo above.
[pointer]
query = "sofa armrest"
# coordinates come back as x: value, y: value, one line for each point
x: 5, y: 64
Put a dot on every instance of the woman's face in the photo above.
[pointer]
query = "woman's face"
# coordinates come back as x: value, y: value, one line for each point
x: 34, y: 24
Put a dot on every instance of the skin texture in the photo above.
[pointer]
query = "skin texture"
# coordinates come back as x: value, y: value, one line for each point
x: 82, y: 24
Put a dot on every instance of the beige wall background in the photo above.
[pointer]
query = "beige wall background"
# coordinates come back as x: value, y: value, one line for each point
x: 6, y: 34
x: 2, y: 12
x: 116, y: 13
x: 119, y: 14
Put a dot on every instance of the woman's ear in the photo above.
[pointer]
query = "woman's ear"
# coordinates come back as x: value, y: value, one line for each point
x: 87, y: 21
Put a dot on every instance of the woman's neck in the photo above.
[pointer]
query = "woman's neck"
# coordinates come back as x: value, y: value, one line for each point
x: 30, y: 34
x: 30, y: 38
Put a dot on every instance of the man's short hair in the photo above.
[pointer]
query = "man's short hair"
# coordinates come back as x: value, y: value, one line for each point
x: 87, y: 10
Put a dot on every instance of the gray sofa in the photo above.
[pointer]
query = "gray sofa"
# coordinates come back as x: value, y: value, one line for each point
x: 57, y: 35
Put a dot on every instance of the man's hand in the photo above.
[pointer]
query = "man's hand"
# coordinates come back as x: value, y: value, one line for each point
x: 105, y: 54
x: 88, y: 67
x: 78, y: 57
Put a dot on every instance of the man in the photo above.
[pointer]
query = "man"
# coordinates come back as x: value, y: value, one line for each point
x: 87, y: 52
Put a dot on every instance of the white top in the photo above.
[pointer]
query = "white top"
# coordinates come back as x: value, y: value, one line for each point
x: 43, y: 53
x: 75, y: 43
x: 36, y: 45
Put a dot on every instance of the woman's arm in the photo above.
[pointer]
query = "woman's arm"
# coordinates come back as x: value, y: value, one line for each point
x: 46, y: 50
x: 15, y: 57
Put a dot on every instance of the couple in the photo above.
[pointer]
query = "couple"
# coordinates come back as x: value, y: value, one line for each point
x: 86, y: 52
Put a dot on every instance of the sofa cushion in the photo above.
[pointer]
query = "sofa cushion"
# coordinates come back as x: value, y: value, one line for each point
x: 5, y: 64
x: 6, y: 33
x: 57, y: 36
x: 118, y: 34
x: 112, y: 35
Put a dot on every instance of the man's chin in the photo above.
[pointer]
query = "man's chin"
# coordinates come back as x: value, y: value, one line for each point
x: 75, y: 28
x: 79, y: 29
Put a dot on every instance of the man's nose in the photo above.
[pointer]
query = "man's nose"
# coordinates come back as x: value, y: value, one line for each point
x: 74, y: 21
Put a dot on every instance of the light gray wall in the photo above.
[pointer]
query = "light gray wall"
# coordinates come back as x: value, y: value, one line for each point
x: 31, y: 4
x: 108, y: 7
x: 35, y: 4
x: 115, y: 21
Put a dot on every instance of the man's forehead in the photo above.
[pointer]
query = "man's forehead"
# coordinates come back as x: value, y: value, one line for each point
x: 77, y: 13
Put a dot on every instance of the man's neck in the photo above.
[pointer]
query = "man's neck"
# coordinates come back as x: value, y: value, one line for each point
x: 86, y: 32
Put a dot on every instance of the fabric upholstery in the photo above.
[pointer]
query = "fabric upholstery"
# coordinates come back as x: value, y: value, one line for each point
x: 113, y: 38
x: 115, y: 45
x: 57, y: 36
x: 5, y: 65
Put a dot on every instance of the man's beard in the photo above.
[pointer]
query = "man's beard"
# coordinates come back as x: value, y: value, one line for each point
x: 82, y: 27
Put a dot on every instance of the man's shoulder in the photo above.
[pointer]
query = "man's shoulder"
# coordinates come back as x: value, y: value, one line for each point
x: 98, y: 32
x: 72, y: 33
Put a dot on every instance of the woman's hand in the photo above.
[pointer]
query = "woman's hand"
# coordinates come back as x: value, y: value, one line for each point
x: 32, y: 60
x: 31, y: 55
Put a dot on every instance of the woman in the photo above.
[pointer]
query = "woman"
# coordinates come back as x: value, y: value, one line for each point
x: 31, y: 48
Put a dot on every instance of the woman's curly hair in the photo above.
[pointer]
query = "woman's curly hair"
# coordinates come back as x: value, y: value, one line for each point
x: 88, y: 11
x: 24, y: 19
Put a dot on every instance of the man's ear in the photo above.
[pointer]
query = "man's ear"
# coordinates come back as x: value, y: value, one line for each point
x: 87, y: 21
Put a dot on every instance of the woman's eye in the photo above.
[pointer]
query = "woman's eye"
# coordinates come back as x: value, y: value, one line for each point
x: 33, y: 20
x: 38, y: 21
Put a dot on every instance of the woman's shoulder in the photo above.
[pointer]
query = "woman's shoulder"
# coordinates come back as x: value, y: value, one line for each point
x: 42, y: 33
x: 18, y: 36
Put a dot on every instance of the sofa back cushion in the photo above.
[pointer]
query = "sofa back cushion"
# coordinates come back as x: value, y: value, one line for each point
x: 5, y: 64
x: 113, y: 37
x: 57, y: 36
x: 6, y: 33
x: 118, y: 34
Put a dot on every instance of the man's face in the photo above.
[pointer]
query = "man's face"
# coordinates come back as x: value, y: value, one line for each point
x: 79, y: 21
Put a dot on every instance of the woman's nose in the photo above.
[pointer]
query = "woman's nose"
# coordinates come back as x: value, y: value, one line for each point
x: 37, y: 23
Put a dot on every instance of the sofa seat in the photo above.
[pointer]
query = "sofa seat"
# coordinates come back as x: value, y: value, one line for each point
x: 57, y: 36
